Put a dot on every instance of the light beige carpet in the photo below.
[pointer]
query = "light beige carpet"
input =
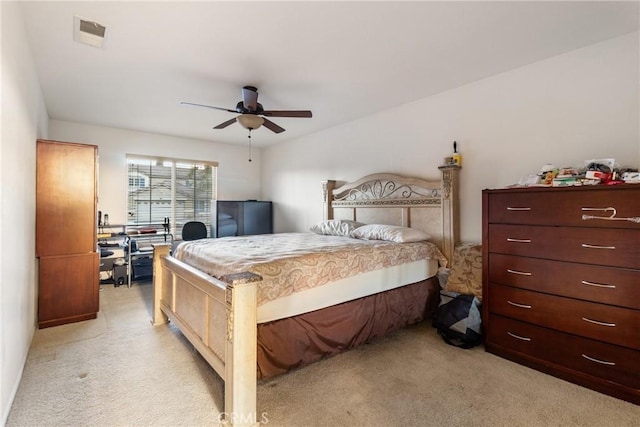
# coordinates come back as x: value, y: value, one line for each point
x: 118, y: 370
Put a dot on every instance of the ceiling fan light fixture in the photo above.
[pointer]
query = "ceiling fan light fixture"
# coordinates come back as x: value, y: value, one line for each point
x: 251, y: 112
x: 250, y: 121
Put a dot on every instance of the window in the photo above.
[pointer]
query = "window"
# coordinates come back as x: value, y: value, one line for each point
x: 138, y: 180
x: 159, y: 188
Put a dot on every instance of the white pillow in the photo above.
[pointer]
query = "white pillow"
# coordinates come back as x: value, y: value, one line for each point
x: 391, y: 233
x: 335, y: 227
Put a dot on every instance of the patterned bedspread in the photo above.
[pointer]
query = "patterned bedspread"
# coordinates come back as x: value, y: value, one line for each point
x: 292, y: 262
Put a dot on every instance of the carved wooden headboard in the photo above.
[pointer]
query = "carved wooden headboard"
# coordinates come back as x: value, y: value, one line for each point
x: 428, y: 205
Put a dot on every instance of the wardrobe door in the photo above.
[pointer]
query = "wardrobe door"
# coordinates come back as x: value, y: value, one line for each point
x: 66, y: 225
x: 69, y: 287
x: 65, y: 198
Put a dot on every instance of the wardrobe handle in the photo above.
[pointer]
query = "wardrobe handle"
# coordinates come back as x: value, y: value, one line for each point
x: 515, y: 304
x: 509, y: 239
x: 599, y: 285
x: 522, y: 273
x: 602, y: 362
x: 510, y: 208
x: 519, y: 337
x: 599, y: 323
x: 586, y: 245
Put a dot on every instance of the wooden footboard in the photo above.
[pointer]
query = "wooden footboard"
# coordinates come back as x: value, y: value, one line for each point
x: 219, y: 319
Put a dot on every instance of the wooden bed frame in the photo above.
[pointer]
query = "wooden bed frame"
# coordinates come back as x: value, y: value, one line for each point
x: 219, y: 317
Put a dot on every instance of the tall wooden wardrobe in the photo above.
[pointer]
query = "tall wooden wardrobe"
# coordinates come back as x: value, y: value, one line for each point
x: 66, y: 224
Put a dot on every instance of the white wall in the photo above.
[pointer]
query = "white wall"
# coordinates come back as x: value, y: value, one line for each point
x: 566, y: 109
x: 23, y: 120
x: 238, y: 179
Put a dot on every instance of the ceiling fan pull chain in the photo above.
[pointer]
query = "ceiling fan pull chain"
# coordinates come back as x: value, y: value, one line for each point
x: 249, y: 144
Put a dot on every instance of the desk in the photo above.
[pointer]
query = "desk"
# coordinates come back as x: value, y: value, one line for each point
x: 139, y: 250
x: 133, y: 244
x: 111, y: 243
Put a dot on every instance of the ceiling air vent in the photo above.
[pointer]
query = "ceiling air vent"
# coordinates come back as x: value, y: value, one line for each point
x: 88, y: 32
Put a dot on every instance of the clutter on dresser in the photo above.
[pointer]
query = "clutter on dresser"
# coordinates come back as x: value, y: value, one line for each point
x: 593, y: 172
x: 631, y: 177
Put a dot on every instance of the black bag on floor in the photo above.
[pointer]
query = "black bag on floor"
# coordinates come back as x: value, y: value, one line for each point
x: 458, y: 320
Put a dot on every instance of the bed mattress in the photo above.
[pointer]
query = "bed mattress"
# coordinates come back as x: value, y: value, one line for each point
x: 347, y: 289
x: 305, y: 271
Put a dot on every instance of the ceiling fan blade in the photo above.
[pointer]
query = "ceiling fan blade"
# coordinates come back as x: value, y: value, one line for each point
x: 225, y: 124
x: 272, y: 126
x: 286, y: 113
x: 250, y: 98
x: 207, y: 106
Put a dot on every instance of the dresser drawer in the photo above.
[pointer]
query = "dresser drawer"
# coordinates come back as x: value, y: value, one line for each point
x: 566, y: 206
x: 607, y: 285
x: 612, y: 247
x: 602, y: 322
x: 613, y: 363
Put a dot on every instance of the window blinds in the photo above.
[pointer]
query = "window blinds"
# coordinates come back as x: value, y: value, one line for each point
x: 160, y: 188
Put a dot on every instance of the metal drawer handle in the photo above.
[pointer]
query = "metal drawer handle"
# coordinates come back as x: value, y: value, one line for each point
x: 509, y: 208
x: 599, y: 285
x: 509, y: 239
x: 602, y: 362
x: 519, y: 337
x: 599, y: 323
x: 519, y: 305
x: 522, y: 273
x: 586, y: 245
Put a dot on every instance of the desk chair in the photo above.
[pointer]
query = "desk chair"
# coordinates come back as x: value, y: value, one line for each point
x: 194, y: 230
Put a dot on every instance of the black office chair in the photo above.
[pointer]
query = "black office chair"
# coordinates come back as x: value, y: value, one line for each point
x: 194, y: 230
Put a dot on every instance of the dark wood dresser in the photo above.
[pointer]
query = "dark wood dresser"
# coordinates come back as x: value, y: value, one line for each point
x: 561, y: 282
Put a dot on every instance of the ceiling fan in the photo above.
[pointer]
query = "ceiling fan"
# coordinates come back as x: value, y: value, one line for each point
x: 252, y: 114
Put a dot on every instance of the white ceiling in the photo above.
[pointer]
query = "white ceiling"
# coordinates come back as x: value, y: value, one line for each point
x: 342, y: 60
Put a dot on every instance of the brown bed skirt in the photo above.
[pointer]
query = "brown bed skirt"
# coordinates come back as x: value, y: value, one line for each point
x: 297, y: 341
